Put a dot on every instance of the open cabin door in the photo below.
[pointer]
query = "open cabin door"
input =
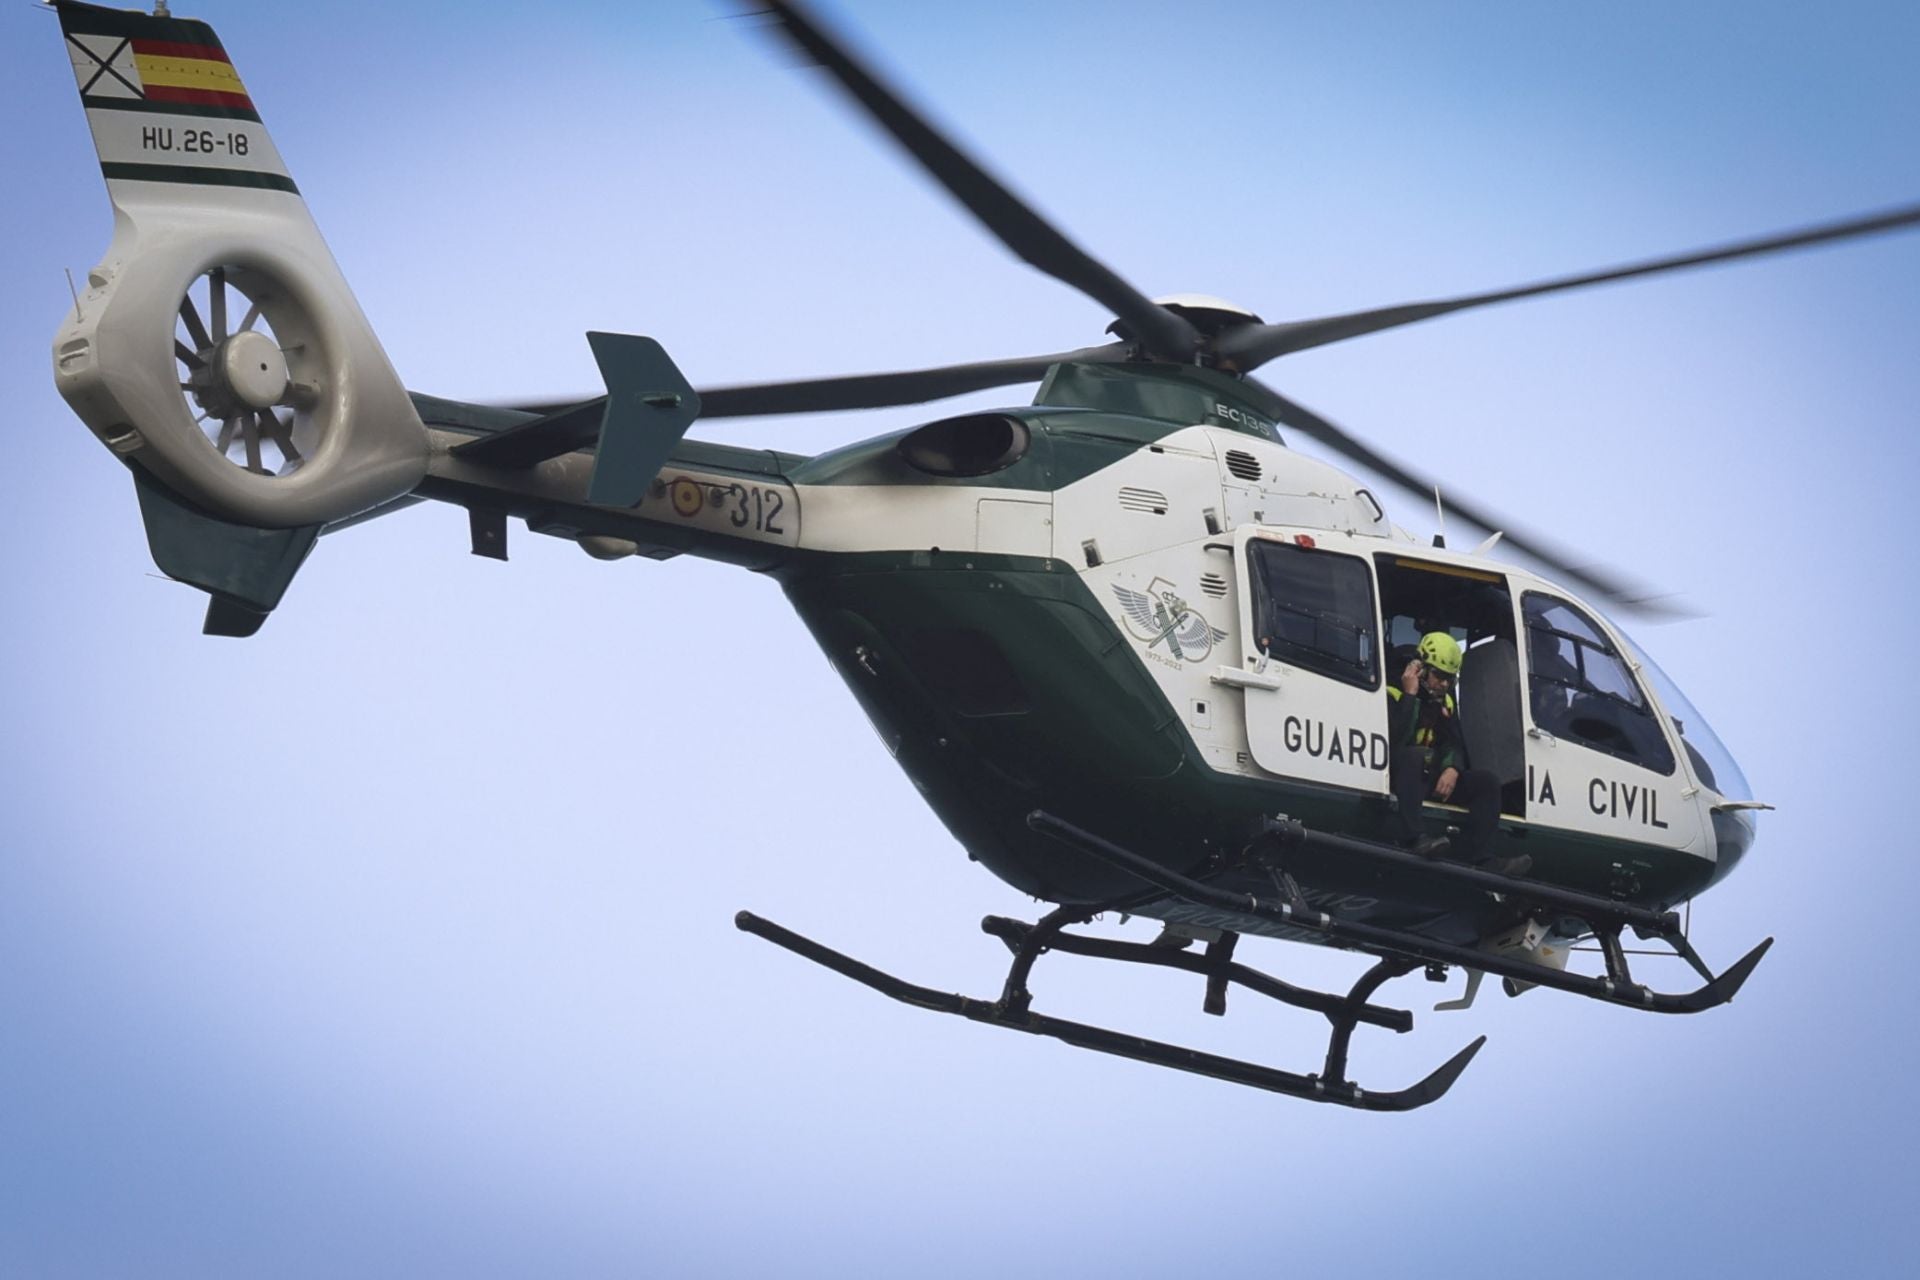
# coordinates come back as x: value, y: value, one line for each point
x: 1420, y: 591
x: 1310, y: 631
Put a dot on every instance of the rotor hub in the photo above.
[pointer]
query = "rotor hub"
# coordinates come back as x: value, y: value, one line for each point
x: 1209, y: 315
x: 253, y: 369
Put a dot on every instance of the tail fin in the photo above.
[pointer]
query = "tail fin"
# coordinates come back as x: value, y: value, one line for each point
x: 217, y: 348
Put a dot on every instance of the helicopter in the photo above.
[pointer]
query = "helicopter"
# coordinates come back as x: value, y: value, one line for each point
x: 1070, y: 620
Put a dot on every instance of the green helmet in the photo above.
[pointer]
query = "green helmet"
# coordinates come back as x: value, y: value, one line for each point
x: 1441, y: 652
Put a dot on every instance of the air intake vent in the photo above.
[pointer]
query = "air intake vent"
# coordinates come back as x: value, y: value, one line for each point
x: 977, y: 444
x: 1243, y: 464
x: 1143, y: 500
x: 1213, y: 584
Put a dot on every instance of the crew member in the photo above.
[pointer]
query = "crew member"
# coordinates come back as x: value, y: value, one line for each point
x: 1428, y: 756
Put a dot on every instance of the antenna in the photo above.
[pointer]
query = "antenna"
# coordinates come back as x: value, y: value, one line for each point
x: 1439, y: 515
x: 77, y: 314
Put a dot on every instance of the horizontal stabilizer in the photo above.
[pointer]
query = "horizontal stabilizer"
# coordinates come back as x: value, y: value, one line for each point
x: 647, y: 409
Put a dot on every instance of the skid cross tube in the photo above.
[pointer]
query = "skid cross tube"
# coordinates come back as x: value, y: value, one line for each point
x: 1218, y: 962
x: 1394, y: 942
x: 1034, y: 940
x: 1015, y: 933
x: 1370, y: 981
x: 998, y: 1013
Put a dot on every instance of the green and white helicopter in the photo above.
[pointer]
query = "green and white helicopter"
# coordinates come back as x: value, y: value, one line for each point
x: 1131, y: 648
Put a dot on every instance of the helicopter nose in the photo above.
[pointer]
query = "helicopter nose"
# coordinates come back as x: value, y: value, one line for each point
x: 1734, y: 832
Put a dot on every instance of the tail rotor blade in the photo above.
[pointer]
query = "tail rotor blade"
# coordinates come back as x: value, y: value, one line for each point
x: 281, y: 435
x: 250, y: 433
x: 195, y: 330
x: 217, y: 302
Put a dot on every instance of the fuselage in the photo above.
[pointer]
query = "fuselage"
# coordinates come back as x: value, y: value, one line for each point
x: 1128, y: 604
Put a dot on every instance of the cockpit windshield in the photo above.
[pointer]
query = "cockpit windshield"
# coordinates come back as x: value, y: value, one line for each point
x: 1712, y: 763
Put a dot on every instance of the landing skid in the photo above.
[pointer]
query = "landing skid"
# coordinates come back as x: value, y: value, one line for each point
x: 1028, y: 942
x: 1398, y: 953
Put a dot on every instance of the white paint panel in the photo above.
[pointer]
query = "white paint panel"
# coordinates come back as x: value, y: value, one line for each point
x: 91, y: 53
x: 853, y: 517
x: 1014, y: 527
x: 1116, y: 508
x: 194, y: 142
x: 1295, y: 490
x: 1181, y: 635
x: 1579, y: 789
x: 759, y: 508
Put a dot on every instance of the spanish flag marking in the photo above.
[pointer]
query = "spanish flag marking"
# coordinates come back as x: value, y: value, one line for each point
x: 174, y: 72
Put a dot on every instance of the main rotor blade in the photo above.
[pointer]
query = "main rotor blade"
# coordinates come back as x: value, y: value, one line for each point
x: 1018, y: 226
x: 870, y: 390
x: 879, y: 390
x: 1595, y: 579
x: 1251, y: 346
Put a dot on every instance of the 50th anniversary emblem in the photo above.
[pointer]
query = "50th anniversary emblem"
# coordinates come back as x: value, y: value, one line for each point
x: 1159, y: 618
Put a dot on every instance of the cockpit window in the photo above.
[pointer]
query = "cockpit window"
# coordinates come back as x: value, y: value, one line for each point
x: 1582, y: 689
x: 1314, y: 609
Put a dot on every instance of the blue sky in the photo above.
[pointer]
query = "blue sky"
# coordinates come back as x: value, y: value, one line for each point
x: 397, y: 940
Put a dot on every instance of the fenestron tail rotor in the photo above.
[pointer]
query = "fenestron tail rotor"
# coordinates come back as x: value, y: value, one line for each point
x: 239, y: 377
x: 216, y: 349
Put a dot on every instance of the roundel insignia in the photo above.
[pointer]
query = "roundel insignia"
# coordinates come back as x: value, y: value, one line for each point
x: 686, y: 496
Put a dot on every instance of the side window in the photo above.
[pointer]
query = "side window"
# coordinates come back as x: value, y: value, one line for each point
x: 1314, y: 609
x: 1581, y: 688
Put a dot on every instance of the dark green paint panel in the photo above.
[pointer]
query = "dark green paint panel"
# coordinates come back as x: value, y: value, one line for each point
x: 878, y: 462
x: 1091, y: 722
x: 1177, y: 394
x: 1734, y: 834
x: 705, y: 455
x: 235, y: 562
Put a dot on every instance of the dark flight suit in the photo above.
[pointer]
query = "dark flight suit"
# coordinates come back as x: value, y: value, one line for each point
x: 1424, y: 734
